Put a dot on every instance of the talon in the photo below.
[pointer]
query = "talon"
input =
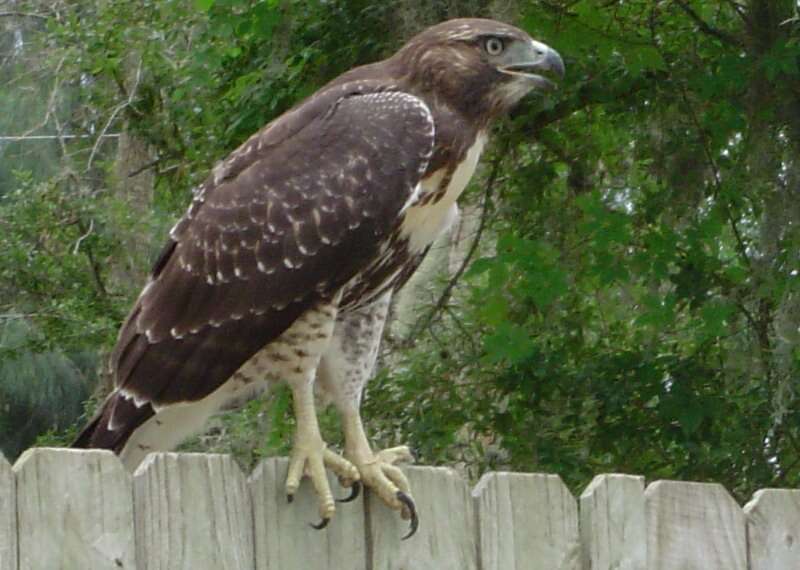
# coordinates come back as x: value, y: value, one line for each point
x: 289, y: 498
x: 321, y: 524
x: 355, y: 491
x: 406, y: 500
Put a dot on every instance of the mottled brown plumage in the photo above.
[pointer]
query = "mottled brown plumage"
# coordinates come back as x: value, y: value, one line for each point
x: 301, y: 235
x: 258, y: 246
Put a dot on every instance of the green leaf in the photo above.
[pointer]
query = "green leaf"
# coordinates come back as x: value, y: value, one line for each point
x: 494, y: 309
x: 714, y: 315
x: 690, y: 415
x: 509, y: 343
x: 479, y: 267
x: 203, y: 5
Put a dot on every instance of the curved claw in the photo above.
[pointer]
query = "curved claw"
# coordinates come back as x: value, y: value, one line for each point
x: 355, y: 491
x: 321, y: 524
x: 406, y: 500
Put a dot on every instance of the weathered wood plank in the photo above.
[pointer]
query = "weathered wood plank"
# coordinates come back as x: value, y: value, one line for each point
x: 193, y: 512
x: 8, y: 517
x: 773, y: 529
x: 74, y: 510
x: 526, y: 522
x: 694, y: 526
x: 446, y: 539
x: 613, y: 530
x: 283, y: 538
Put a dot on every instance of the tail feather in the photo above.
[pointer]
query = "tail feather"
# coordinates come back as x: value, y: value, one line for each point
x: 83, y: 441
x: 114, y: 424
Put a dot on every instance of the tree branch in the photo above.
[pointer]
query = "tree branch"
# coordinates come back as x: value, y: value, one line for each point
x: 23, y: 15
x: 114, y: 114
x: 93, y: 263
x: 146, y: 166
x: 740, y: 10
x: 706, y: 28
x: 51, y: 100
x: 592, y: 92
x: 717, y: 178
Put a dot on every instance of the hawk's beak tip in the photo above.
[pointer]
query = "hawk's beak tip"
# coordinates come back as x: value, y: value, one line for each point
x: 551, y: 64
x: 553, y: 59
x: 546, y: 67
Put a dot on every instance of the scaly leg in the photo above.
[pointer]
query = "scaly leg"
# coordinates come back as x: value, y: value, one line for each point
x: 379, y: 471
x: 297, y: 353
x: 310, y: 456
x: 343, y: 372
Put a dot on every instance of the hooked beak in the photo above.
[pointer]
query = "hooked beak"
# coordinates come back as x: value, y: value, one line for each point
x: 537, y: 62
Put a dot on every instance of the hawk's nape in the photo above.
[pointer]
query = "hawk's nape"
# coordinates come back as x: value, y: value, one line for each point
x: 284, y: 265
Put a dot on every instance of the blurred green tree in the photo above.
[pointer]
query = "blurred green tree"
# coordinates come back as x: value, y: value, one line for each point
x: 632, y: 304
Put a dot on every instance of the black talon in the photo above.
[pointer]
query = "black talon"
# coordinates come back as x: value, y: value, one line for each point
x: 406, y: 500
x: 355, y: 491
x: 289, y: 498
x: 321, y: 524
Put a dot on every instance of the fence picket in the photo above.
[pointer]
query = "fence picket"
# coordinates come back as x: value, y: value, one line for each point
x: 526, y: 522
x: 8, y: 517
x: 773, y: 529
x: 192, y: 512
x: 613, y: 530
x: 74, y: 510
x: 694, y: 526
x: 283, y: 538
x: 446, y: 536
x: 64, y: 509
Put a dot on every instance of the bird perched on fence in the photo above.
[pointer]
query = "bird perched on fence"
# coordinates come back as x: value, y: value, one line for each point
x: 283, y: 267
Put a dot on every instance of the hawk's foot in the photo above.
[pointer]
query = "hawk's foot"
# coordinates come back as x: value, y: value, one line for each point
x: 310, y: 459
x: 380, y: 474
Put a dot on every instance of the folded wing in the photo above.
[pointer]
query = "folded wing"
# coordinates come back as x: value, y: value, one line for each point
x: 287, y: 220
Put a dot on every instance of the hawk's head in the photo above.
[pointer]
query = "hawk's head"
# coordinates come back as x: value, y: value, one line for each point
x: 478, y: 66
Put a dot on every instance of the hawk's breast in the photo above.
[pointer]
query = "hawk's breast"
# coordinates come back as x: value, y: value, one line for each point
x: 433, y: 212
x: 436, y: 208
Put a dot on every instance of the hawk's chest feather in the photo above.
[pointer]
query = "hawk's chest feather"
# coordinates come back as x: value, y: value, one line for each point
x: 425, y: 220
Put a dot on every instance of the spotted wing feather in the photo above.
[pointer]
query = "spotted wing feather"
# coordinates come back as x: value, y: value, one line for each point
x: 285, y: 224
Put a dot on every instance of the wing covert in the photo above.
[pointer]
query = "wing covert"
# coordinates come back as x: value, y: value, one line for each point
x: 295, y: 222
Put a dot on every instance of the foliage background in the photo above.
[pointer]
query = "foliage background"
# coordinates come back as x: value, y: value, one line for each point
x: 631, y: 304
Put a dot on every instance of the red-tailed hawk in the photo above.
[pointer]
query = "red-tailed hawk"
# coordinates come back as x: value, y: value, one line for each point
x: 284, y: 264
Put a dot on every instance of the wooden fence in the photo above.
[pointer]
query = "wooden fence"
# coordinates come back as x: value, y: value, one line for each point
x: 67, y: 509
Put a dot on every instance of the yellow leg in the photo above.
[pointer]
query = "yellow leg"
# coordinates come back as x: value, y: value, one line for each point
x: 310, y: 456
x: 378, y: 471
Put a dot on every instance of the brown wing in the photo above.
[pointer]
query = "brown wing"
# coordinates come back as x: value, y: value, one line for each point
x: 288, y: 220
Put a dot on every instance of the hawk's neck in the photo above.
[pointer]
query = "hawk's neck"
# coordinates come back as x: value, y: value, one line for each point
x: 436, y: 209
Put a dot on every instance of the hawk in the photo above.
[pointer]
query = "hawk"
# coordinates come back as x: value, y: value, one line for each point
x: 283, y: 267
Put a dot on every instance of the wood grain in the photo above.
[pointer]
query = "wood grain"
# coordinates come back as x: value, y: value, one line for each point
x: 613, y: 529
x: 694, y: 526
x: 193, y: 512
x: 66, y: 509
x: 526, y: 522
x: 8, y: 517
x: 74, y: 510
x: 773, y: 529
x: 446, y: 539
x: 283, y: 538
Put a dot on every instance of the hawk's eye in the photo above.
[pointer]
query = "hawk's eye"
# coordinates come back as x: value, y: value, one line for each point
x: 494, y: 46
